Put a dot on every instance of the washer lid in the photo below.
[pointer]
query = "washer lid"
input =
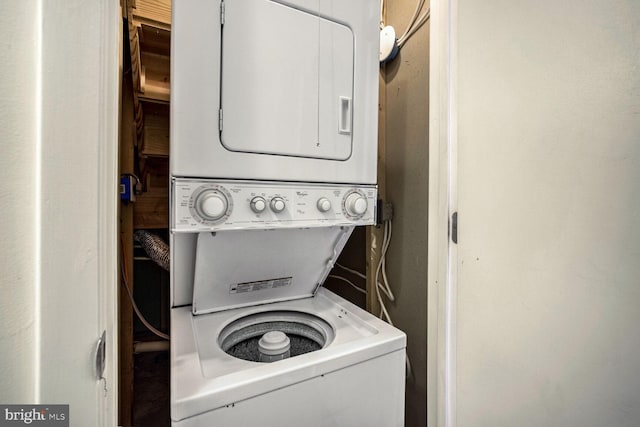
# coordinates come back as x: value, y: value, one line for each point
x: 250, y: 267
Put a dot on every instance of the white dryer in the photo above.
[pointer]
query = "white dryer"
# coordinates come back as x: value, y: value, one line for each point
x: 282, y: 90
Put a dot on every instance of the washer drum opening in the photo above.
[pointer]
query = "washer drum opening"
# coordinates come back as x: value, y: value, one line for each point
x: 306, y: 333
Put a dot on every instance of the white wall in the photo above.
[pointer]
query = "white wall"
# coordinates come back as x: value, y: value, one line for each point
x: 59, y: 87
x: 544, y: 292
x: 17, y: 221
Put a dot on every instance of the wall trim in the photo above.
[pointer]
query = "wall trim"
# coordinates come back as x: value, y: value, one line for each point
x: 109, y: 84
x: 441, y: 325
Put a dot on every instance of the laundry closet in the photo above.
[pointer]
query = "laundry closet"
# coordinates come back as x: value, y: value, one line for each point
x: 531, y: 207
x: 263, y: 199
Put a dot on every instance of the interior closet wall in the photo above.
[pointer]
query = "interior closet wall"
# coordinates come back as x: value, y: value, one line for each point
x: 406, y: 138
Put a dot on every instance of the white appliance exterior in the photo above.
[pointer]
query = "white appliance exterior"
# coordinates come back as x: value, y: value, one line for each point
x: 273, y: 163
x: 281, y: 90
x: 535, y: 136
x: 357, y: 379
x: 301, y: 205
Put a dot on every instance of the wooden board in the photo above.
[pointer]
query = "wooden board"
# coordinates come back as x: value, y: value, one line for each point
x: 125, y: 335
x: 151, y: 210
x: 156, y: 130
x: 154, y: 78
x: 154, y: 172
x: 154, y: 12
x: 154, y: 40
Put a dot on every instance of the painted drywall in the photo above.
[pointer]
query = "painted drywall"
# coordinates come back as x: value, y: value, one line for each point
x: 17, y: 235
x: 407, y: 149
x: 545, y: 104
x: 59, y: 87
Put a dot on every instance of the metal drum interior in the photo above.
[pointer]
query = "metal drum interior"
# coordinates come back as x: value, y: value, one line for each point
x: 306, y: 333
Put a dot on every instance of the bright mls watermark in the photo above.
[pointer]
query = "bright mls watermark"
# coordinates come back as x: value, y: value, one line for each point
x: 36, y: 415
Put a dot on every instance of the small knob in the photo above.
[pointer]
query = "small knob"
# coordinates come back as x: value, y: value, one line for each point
x: 258, y: 204
x: 277, y: 204
x: 212, y: 205
x: 323, y: 204
x: 355, y: 204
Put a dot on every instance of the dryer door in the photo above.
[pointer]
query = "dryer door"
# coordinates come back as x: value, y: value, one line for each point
x: 286, y: 81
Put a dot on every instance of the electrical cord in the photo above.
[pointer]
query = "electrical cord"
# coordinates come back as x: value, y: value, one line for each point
x: 125, y: 283
x: 424, y: 18
x: 382, y: 287
x: 353, y: 285
x: 382, y: 263
x: 357, y: 273
x: 412, y: 21
x: 415, y: 22
x: 386, y: 288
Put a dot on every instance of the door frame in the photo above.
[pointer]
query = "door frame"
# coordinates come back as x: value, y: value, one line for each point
x: 442, y: 252
x: 110, y: 82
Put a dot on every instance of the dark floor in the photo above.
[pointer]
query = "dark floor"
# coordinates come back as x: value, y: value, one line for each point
x: 151, y: 390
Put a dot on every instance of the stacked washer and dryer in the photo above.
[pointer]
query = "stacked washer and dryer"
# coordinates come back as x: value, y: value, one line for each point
x: 273, y: 164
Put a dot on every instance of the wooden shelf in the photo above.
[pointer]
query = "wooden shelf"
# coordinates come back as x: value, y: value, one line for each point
x: 154, y: 77
x: 153, y: 12
x: 154, y: 40
x: 155, y: 140
x: 150, y: 45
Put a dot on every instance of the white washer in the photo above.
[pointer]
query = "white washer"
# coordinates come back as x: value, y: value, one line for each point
x: 356, y: 380
x: 355, y: 376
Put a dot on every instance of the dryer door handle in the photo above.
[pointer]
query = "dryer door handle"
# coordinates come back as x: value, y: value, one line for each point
x: 344, y: 114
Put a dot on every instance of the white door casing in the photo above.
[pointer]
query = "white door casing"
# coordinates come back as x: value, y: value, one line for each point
x: 60, y: 86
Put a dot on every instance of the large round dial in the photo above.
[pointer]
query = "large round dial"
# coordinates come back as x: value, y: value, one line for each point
x: 277, y: 204
x: 211, y: 205
x: 355, y: 204
x: 258, y: 204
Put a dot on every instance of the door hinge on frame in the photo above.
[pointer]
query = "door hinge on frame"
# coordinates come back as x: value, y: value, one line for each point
x: 222, y: 13
x: 454, y: 227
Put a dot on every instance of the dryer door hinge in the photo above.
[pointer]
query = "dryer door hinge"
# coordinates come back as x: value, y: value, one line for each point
x: 221, y: 13
x: 220, y: 120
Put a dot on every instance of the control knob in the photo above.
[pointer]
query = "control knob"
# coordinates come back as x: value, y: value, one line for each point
x: 211, y: 205
x: 355, y: 204
x: 277, y: 204
x: 258, y: 204
x: 324, y: 205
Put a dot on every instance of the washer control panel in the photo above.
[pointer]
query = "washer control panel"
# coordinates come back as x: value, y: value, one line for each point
x: 211, y: 205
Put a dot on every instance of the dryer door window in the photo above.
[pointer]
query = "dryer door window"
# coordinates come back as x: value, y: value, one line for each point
x: 286, y: 81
